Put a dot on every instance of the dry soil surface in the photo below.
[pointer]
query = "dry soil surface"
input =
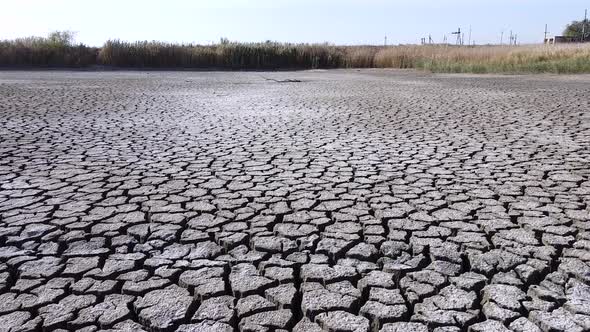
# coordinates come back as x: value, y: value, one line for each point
x: 307, y: 201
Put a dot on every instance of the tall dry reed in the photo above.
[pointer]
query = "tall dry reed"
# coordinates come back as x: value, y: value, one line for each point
x: 225, y: 55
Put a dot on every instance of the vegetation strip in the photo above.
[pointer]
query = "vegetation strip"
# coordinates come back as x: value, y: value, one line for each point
x: 59, y: 50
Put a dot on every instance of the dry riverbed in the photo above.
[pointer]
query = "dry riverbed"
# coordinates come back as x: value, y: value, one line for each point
x: 346, y: 200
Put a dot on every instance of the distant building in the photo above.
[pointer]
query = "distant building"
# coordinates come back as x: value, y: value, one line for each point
x: 565, y: 40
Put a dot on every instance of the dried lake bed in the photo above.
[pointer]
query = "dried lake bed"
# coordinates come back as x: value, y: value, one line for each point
x: 344, y: 200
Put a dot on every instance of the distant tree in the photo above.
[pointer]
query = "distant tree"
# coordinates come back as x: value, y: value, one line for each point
x: 575, y: 29
x: 62, y: 38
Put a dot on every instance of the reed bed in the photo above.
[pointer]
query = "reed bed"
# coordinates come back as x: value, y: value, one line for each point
x: 58, y: 51
x: 225, y: 55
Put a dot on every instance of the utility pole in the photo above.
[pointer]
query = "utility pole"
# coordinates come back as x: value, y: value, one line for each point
x: 469, y: 43
x: 385, y: 41
x: 545, y: 40
x: 584, y: 24
x: 459, y: 36
x: 502, y: 38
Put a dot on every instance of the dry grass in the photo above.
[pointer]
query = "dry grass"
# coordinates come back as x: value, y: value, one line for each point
x: 56, y: 50
x: 565, y: 58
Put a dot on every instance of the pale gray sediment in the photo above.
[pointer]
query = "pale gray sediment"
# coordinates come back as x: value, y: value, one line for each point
x: 337, y: 200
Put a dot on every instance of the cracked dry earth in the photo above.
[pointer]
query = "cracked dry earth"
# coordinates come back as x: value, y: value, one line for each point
x: 349, y: 201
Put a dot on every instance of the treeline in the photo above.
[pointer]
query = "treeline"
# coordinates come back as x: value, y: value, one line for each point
x: 58, y: 50
x: 55, y: 50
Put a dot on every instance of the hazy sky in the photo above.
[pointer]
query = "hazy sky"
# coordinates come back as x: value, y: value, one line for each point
x: 336, y: 21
